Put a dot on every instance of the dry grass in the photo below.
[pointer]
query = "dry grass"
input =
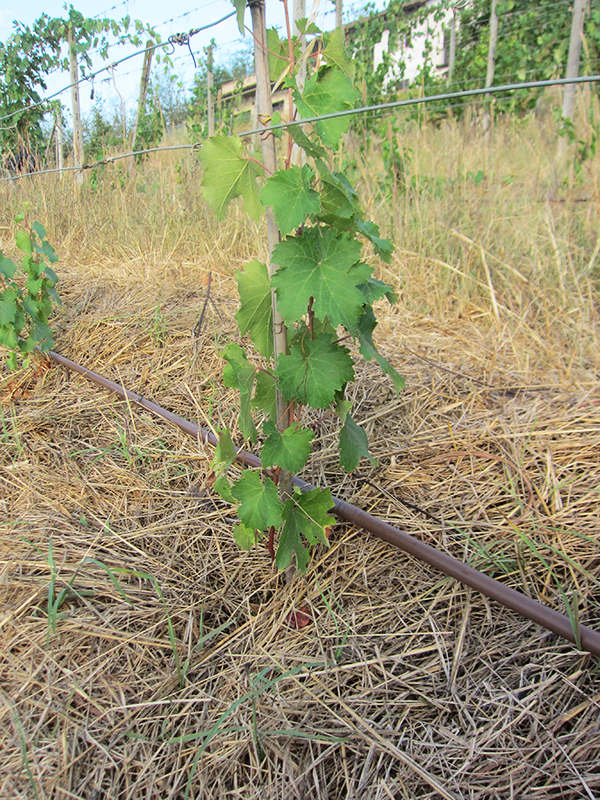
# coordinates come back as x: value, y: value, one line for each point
x: 143, y: 653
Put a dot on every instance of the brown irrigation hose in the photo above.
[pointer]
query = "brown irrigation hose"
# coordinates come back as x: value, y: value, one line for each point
x: 552, y: 620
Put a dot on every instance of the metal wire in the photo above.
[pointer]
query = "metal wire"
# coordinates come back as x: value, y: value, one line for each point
x: 510, y: 87
x: 347, y: 112
x: 181, y: 38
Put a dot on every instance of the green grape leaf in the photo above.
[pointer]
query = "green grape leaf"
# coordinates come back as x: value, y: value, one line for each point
x: 239, y: 373
x: 304, y: 515
x: 40, y: 230
x: 327, y: 92
x: 260, y: 506
x: 304, y: 26
x: 335, y: 53
x: 290, y: 193
x: 366, y: 326
x: 245, y: 537
x: 223, y: 488
x: 30, y: 307
x: 240, y: 7
x: 225, y: 453
x: 342, y: 406
x: 7, y: 268
x: 353, y: 445
x: 319, y: 264
x: 23, y: 241
x: 310, y: 148
x: 8, y: 306
x: 383, y: 247
x: 278, y: 55
x: 314, y: 371
x: 373, y: 290
x: 339, y: 201
x: 229, y: 173
x: 40, y: 334
x: 264, y: 394
x: 255, y: 314
x: 289, y: 449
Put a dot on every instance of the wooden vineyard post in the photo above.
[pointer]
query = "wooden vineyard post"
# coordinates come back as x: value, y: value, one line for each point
x: 58, y: 133
x: 269, y: 157
x: 77, y: 127
x: 572, y: 68
x: 143, y: 93
x: 491, y: 64
x: 209, y: 90
x: 338, y: 13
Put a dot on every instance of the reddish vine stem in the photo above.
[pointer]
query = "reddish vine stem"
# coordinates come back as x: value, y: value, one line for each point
x: 584, y: 637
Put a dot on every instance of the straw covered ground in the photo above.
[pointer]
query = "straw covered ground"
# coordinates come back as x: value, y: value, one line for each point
x: 145, y: 656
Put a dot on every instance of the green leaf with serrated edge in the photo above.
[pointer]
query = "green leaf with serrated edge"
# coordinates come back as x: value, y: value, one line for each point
x: 276, y: 120
x: 314, y: 371
x: 264, y: 394
x: 311, y: 148
x: 239, y: 373
x: 30, y: 307
x: 223, y: 488
x: 383, y: 247
x: 46, y: 249
x: 290, y: 193
x: 42, y: 335
x: 335, y: 53
x: 245, y: 537
x: 374, y: 289
x: 51, y: 276
x: 40, y: 230
x: 353, y: 445
x: 255, y: 314
x: 319, y: 264
x: 229, y: 173
x: 304, y: 26
x: 240, y: 7
x: 366, y: 326
x: 327, y: 92
x: 278, y: 54
x: 225, y: 453
x: 289, y: 449
x: 23, y: 241
x: 342, y: 406
x: 304, y: 515
x: 338, y: 200
x: 260, y: 506
x: 8, y: 336
x: 33, y: 285
x: 7, y: 268
x: 8, y: 306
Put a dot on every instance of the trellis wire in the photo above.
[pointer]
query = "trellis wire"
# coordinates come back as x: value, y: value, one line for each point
x: 178, y: 38
x: 345, y: 113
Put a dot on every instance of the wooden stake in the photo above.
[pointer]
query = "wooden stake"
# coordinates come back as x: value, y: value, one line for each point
x: 269, y: 157
x: 209, y: 90
x: 59, y: 144
x: 77, y: 127
x: 573, y: 62
x: 338, y: 13
x: 143, y: 93
x: 491, y: 65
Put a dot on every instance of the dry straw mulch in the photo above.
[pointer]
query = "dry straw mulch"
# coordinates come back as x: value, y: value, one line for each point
x: 145, y: 656
x: 403, y: 683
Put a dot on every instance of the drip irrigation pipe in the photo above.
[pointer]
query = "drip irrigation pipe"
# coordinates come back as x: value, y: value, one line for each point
x: 585, y: 638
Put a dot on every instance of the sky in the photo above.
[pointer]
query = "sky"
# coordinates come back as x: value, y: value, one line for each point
x: 175, y: 16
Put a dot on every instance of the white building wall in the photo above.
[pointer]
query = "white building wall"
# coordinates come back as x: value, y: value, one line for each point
x: 413, y: 56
